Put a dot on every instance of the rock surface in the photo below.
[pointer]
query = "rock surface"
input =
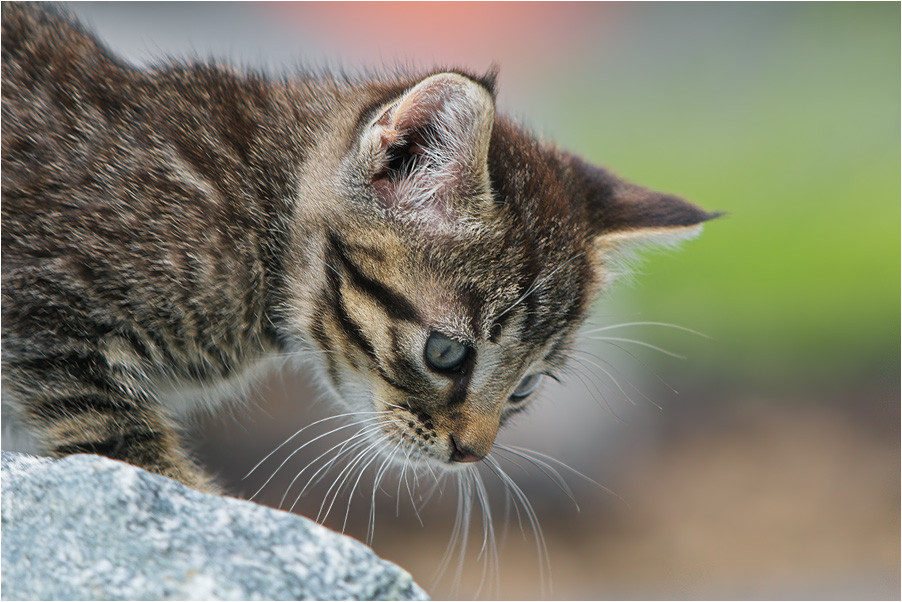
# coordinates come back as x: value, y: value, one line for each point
x: 86, y: 527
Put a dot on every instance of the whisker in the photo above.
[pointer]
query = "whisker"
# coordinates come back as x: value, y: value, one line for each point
x: 490, y: 568
x: 346, y: 471
x: 585, y: 382
x: 507, y: 515
x: 281, y: 445
x: 413, y: 504
x: 292, y: 454
x: 348, y: 447
x: 436, y: 486
x: 398, y: 492
x: 644, y: 363
x: 435, y: 477
x: 394, y: 405
x: 371, y: 524
x: 609, y: 375
x: 303, y: 353
x: 549, y: 471
x: 589, y: 363
x: 358, y: 438
x: 461, y: 525
x: 344, y: 448
x: 635, y: 342
x: 465, y: 534
x: 662, y: 324
x: 351, y: 468
x: 562, y: 464
x: 541, y: 547
x: 375, y: 457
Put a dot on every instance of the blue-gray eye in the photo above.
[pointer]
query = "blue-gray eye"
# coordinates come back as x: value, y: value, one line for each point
x: 444, y: 353
x: 526, y: 387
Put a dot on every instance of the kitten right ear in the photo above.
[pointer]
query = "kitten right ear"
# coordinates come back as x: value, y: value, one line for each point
x: 429, y: 148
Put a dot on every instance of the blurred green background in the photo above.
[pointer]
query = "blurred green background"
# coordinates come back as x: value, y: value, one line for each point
x: 788, y: 118
x: 775, y: 471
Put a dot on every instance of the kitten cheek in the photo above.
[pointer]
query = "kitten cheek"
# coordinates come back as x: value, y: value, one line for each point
x: 382, y: 397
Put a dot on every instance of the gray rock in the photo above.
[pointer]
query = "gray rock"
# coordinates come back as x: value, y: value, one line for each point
x: 86, y: 527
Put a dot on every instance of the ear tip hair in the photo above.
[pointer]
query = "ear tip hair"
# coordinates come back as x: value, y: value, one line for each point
x: 711, y: 215
x: 687, y: 213
x: 490, y: 78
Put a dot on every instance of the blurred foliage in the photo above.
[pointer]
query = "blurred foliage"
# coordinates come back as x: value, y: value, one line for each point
x: 788, y: 120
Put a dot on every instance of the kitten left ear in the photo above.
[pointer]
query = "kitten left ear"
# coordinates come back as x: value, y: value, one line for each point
x: 622, y: 213
x: 430, y: 146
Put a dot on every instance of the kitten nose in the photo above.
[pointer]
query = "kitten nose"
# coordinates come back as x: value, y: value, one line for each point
x: 462, y: 453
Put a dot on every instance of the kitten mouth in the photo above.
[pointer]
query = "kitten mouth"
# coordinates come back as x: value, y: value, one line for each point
x: 414, y: 440
x: 416, y: 451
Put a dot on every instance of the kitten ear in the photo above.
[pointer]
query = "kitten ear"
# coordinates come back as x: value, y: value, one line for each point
x: 430, y: 147
x: 623, y: 214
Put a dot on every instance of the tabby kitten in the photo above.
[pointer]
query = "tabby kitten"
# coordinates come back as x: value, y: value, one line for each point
x: 170, y: 233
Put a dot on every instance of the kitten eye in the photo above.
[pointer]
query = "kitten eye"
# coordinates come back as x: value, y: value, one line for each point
x: 444, y: 353
x: 526, y: 387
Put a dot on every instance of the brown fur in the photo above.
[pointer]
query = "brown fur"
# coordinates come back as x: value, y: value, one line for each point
x: 171, y: 230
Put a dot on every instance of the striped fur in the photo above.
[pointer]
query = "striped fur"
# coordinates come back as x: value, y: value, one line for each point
x: 171, y: 233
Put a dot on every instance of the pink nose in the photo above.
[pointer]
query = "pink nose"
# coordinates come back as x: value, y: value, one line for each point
x: 462, y: 453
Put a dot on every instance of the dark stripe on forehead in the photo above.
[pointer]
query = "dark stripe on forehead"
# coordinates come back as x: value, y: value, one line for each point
x: 352, y: 330
x: 559, y: 303
x: 394, y: 304
x: 570, y: 304
x: 397, y: 383
x: 529, y: 274
x: 500, y: 325
x: 403, y: 367
x: 531, y: 282
x: 318, y: 330
x: 472, y: 301
x: 547, y: 321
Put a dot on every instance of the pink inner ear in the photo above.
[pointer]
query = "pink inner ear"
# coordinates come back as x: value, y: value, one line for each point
x: 418, y: 108
x: 389, y: 137
x: 421, y: 106
x: 431, y: 141
x: 405, y: 143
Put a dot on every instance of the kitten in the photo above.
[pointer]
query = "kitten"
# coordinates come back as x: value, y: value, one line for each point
x: 170, y: 233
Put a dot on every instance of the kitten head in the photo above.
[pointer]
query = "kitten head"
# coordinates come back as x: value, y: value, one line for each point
x: 463, y: 258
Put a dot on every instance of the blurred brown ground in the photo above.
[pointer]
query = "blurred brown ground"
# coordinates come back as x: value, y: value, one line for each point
x: 747, y: 497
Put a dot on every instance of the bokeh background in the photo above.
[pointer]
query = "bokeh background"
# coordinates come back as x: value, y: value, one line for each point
x: 774, y: 473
